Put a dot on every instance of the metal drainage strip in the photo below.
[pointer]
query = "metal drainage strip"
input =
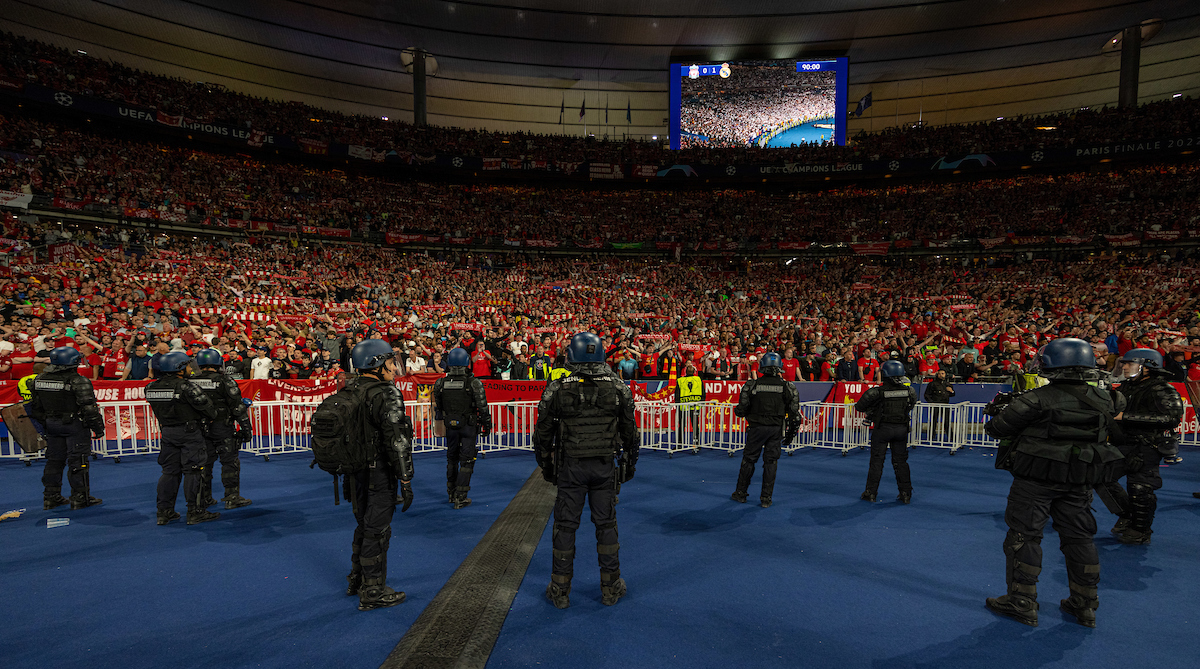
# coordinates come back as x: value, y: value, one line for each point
x: 460, y: 626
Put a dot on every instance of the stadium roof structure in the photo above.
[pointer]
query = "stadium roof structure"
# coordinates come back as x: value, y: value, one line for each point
x: 516, y: 65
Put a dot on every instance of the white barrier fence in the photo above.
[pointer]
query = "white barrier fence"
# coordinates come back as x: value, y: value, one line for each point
x: 283, y: 427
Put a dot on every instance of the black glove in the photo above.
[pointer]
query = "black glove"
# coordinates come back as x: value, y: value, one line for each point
x: 1133, y: 463
x: 406, y: 428
x: 243, y: 436
x: 628, y: 474
x: 97, y: 433
x: 485, y: 426
x: 789, y: 437
x: 406, y: 495
x: 548, y: 472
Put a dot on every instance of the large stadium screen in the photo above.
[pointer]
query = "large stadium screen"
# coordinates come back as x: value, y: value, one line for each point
x: 758, y: 103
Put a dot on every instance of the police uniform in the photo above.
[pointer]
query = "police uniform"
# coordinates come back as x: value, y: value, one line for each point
x: 64, y: 402
x: 1153, y: 412
x: 889, y: 408
x: 767, y: 403
x: 372, y: 491
x: 225, y: 434
x: 461, y: 402
x: 585, y: 421
x: 689, y: 394
x: 1055, y: 443
x: 181, y: 408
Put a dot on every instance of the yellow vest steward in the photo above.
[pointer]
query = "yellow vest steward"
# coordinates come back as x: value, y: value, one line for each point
x: 558, y: 373
x: 691, y: 390
x: 23, y: 387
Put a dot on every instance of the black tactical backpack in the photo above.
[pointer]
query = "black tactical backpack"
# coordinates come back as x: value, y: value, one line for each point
x: 341, y: 442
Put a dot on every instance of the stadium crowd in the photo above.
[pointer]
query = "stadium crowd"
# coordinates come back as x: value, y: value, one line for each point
x: 756, y: 100
x: 27, y: 61
x: 278, y: 309
x: 85, y: 169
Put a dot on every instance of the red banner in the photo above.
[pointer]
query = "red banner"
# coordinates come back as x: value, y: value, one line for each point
x: 1166, y: 235
x: 871, y: 249
x: 794, y: 246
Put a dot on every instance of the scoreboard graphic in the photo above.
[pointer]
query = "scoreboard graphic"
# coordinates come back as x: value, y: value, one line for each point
x: 758, y: 103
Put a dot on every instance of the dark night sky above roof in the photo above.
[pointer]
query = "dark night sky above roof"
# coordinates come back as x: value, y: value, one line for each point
x: 511, y: 64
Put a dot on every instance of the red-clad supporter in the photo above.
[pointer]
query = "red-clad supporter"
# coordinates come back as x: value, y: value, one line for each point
x: 790, y: 365
x: 481, y: 362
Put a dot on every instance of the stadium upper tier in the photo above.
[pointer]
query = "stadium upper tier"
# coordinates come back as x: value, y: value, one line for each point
x: 175, y: 102
x: 75, y: 169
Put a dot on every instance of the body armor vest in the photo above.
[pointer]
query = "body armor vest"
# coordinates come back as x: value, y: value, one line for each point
x: 589, y: 409
x: 209, y: 382
x: 1069, y: 442
x: 166, y: 401
x: 895, y: 404
x: 457, y: 404
x: 1142, y: 399
x: 54, y: 391
x: 767, y: 403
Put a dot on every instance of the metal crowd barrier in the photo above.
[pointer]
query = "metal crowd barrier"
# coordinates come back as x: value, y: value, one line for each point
x: 283, y: 427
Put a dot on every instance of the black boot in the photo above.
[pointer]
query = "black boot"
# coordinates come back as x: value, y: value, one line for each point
x: 450, y: 490
x: 1082, y: 604
x: 612, y: 588
x: 233, y: 499
x: 167, y: 515
x: 558, y: 595
x: 354, y: 583
x: 1121, y: 526
x: 79, y: 501
x: 206, y: 498
x: 867, y: 496
x: 378, y: 596
x: 461, y: 500
x: 1020, y: 604
x: 764, y: 501
x: 197, y: 515
x: 739, y: 496
x: 905, y: 497
x: 52, y: 498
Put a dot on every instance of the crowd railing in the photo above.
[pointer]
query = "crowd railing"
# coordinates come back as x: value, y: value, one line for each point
x: 283, y: 427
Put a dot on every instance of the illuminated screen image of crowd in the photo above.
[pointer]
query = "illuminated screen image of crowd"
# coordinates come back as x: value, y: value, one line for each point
x: 759, y: 103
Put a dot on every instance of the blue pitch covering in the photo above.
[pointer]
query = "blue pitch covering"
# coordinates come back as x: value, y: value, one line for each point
x: 263, y: 586
x: 819, y: 580
x: 822, y: 579
x: 801, y: 134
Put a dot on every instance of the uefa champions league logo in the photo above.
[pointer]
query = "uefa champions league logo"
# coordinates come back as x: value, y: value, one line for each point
x: 64, y: 99
x: 694, y: 72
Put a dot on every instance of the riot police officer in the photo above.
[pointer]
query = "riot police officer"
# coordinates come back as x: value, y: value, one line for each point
x: 182, y: 408
x: 372, y: 491
x: 460, y: 401
x: 889, y: 408
x: 1055, y: 443
x: 767, y: 403
x: 586, y: 441
x: 224, y: 435
x: 63, y: 401
x: 1154, y: 409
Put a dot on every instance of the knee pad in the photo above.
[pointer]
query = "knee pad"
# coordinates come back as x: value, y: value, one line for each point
x: 467, y: 467
x: 1014, y: 541
x: 606, y: 526
x: 558, y: 527
x: 1140, y: 490
x: 382, y: 537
